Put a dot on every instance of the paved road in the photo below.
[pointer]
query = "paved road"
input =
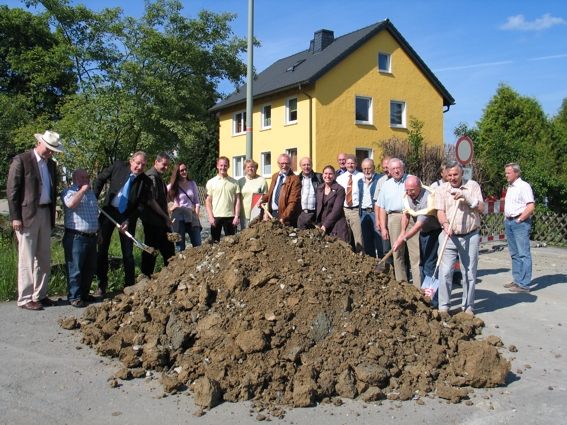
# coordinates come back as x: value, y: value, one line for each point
x: 47, y: 375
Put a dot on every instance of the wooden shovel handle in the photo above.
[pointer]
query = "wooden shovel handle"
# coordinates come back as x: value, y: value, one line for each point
x: 267, y: 212
x: 447, y: 236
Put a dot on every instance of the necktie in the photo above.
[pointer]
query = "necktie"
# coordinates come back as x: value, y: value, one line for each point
x: 349, y: 191
x: 278, y: 187
x: 124, y: 196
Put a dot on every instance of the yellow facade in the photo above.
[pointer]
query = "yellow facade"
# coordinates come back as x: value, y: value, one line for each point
x: 334, y: 129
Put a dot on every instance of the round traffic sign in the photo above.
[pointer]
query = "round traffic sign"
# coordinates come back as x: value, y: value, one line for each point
x: 464, y: 150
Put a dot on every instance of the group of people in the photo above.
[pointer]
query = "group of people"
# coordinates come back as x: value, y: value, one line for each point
x: 375, y: 213
x: 132, y: 194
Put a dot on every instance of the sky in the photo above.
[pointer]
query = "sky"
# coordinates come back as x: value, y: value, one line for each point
x: 471, y: 46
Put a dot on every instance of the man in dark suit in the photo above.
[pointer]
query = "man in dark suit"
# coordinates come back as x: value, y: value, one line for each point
x: 32, y: 191
x: 129, y: 192
x: 284, y: 196
x: 309, y: 183
x: 157, y: 224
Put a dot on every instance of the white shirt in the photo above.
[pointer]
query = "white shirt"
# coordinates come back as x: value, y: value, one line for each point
x: 343, y: 181
x: 518, y: 196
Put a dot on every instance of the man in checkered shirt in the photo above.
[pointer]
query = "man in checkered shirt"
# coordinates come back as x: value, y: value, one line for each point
x: 82, y: 234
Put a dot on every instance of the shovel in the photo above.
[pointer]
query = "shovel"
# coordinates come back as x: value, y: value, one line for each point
x: 431, y: 283
x: 140, y: 245
x: 380, y: 266
x: 173, y: 236
x: 267, y: 212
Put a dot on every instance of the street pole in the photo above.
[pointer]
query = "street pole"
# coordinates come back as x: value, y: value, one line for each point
x: 250, y: 78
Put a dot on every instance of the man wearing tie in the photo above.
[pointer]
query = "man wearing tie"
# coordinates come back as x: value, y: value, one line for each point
x: 349, y: 180
x: 284, y: 196
x: 129, y: 192
x: 31, y: 192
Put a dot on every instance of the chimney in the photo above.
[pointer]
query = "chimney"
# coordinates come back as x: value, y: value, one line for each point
x: 322, y: 39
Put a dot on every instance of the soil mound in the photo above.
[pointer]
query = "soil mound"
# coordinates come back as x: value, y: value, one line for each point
x: 291, y: 317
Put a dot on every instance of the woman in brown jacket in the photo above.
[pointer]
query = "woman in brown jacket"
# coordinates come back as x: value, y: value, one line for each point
x: 330, y: 199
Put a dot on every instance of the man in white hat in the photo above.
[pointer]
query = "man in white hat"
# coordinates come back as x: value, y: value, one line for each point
x: 32, y: 191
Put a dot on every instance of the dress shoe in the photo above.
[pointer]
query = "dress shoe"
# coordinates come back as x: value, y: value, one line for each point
x: 89, y: 299
x: 46, y: 302
x: 77, y: 303
x: 32, y: 305
x: 509, y: 285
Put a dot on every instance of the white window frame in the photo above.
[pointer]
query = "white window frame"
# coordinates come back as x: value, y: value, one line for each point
x: 263, y: 164
x: 404, y: 122
x: 389, y: 57
x: 238, y: 166
x: 288, y: 120
x: 370, y: 110
x: 235, y: 120
x: 287, y: 152
x: 263, y: 125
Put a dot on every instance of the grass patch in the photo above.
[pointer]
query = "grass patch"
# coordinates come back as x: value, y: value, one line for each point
x: 57, y: 280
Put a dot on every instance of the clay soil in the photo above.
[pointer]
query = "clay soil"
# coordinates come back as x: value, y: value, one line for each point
x: 290, y: 317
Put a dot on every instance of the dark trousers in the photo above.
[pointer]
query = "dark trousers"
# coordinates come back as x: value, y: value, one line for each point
x: 306, y: 220
x: 373, y: 244
x: 428, y: 247
x: 222, y: 223
x: 156, y: 237
x: 127, y: 245
x: 80, y: 264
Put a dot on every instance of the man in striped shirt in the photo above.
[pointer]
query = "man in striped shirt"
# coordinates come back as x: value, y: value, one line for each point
x: 518, y: 207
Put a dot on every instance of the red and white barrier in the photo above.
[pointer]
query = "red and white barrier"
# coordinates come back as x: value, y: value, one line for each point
x: 493, y: 207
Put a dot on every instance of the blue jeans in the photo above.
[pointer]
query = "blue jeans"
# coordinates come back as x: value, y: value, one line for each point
x: 428, y: 246
x: 372, y: 239
x: 518, y: 235
x: 80, y: 264
x: 194, y: 235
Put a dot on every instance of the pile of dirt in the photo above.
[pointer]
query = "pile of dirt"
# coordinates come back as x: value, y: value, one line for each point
x: 289, y: 317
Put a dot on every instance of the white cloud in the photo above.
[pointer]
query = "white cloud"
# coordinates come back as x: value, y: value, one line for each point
x: 476, y: 65
x: 519, y: 22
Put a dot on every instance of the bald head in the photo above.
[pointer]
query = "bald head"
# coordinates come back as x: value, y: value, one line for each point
x: 413, y: 186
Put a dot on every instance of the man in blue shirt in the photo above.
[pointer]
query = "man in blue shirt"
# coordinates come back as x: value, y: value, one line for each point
x: 367, y: 187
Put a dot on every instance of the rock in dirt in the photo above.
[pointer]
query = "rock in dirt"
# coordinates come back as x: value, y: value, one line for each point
x: 290, y: 317
x: 68, y: 323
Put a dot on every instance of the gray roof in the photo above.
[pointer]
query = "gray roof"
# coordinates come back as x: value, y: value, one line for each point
x: 275, y: 79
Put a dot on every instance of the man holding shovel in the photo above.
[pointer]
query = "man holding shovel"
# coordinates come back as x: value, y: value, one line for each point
x: 129, y: 192
x: 157, y: 223
x: 462, y: 200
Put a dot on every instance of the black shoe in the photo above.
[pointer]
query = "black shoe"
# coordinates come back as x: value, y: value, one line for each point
x: 46, y: 302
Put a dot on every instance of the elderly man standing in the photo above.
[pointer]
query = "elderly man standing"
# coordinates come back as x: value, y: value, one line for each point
x: 157, y: 223
x: 82, y: 234
x: 518, y: 207
x: 386, y: 246
x: 373, y: 244
x: 341, y: 160
x: 349, y: 181
x: 129, y: 192
x: 284, y: 196
x: 419, y: 218
x: 464, y: 198
x: 309, y: 183
x: 223, y: 201
x: 31, y: 192
x: 391, y: 204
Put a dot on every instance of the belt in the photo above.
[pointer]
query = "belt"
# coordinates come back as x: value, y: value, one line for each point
x: 368, y: 209
x: 308, y: 211
x: 352, y: 208
x: 465, y: 234
x: 395, y: 212
x: 513, y: 217
x: 76, y: 232
x: 44, y: 205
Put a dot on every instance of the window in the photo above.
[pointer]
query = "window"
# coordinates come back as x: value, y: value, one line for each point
x: 384, y: 63
x: 361, y: 155
x: 397, y: 114
x: 266, y: 164
x: 239, y: 123
x: 291, y: 111
x: 266, y: 113
x: 238, y: 166
x: 293, y: 156
x: 363, y: 110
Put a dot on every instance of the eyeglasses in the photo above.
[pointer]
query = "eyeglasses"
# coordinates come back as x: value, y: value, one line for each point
x: 183, y: 170
x: 283, y: 163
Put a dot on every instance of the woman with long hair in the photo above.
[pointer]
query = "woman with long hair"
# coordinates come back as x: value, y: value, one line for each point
x: 182, y: 191
x: 330, y: 215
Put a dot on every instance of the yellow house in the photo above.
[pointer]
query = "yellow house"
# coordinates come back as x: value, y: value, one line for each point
x: 343, y: 94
